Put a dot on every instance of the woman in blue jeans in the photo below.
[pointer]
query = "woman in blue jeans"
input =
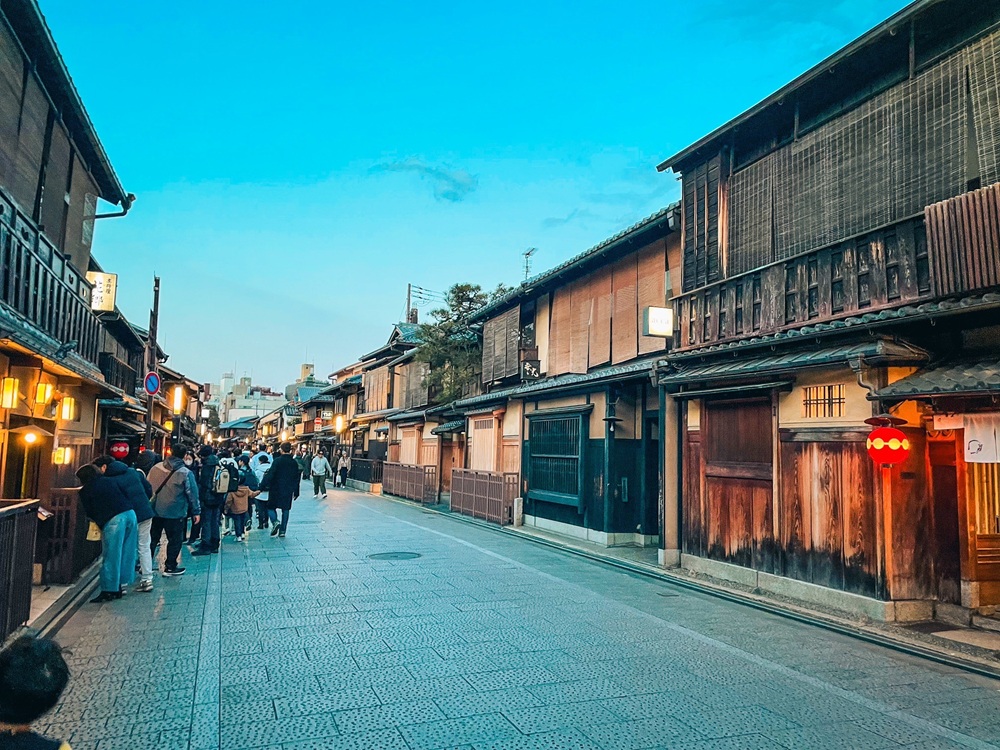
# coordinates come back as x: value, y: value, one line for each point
x: 106, y: 505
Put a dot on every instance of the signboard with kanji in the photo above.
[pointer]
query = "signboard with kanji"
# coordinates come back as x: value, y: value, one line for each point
x: 105, y: 290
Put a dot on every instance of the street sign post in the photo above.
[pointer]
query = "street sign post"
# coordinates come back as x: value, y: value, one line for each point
x: 151, y: 383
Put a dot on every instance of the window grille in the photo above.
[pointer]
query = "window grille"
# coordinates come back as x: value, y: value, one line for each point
x: 555, y: 444
x: 824, y: 401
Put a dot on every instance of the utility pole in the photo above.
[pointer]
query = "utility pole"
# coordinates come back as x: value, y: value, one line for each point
x: 151, y: 364
x: 409, y: 288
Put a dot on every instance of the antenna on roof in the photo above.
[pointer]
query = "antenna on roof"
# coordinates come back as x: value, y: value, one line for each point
x: 527, y: 261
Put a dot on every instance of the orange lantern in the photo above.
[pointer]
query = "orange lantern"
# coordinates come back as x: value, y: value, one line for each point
x: 887, y: 445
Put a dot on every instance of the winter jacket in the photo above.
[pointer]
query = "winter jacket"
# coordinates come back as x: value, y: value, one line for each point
x: 239, y: 501
x: 302, y: 463
x: 135, y: 486
x: 344, y: 463
x: 103, y: 500
x: 321, y: 467
x: 248, y: 478
x: 176, y: 497
x: 147, y: 460
x: 206, y: 478
x: 282, y: 482
x: 255, y: 460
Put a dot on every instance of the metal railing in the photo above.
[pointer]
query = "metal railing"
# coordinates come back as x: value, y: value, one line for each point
x: 18, y: 520
x: 410, y: 481
x: 487, y: 495
x: 368, y: 470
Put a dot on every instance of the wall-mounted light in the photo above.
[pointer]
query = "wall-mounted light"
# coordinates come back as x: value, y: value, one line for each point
x: 284, y: 435
x: 62, y: 456
x: 168, y: 425
x: 9, y: 393
x: 178, y: 399
x: 31, y: 438
x: 338, y: 423
x: 67, y: 409
x: 43, y: 393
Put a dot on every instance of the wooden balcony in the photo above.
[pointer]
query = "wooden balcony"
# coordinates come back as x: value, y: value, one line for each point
x: 963, y: 237
x: 882, y: 269
x: 486, y: 495
x: 412, y: 482
x: 118, y: 373
x: 38, y: 285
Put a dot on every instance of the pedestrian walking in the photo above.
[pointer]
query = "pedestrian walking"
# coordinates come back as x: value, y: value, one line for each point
x: 343, y: 467
x: 33, y: 675
x: 146, y: 460
x: 136, y: 487
x: 265, y: 514
x: 106, y: 505
x: 193, y: 466
x: 320, y: 469
x: 303, y: 463
x: 238, y: 506
x: 255, y: 459
x: 213, y: 485
x: 175, y: 498
x: 282, y: 484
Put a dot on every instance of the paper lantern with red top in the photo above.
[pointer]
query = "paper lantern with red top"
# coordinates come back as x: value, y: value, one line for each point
x: 887, y: 445
x: 118, y: 450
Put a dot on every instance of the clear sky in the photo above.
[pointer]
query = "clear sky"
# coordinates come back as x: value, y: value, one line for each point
x: 298, y: 162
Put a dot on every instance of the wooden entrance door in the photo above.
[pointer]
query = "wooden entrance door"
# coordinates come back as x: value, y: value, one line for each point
x: 944, y: 492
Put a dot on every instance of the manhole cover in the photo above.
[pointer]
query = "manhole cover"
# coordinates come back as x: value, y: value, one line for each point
x: 394, y: 556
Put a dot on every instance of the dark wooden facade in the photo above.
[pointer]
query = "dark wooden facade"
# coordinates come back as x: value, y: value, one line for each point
x: 860, y: 199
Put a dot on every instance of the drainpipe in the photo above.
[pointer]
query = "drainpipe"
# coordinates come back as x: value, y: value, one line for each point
x: 126, y: 205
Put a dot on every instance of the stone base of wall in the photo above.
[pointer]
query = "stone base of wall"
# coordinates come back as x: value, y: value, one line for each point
x: 590, y: 535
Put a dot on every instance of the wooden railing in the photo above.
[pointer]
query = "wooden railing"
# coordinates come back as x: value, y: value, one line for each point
x: 963, y: 235
x: 37, y: 283
x: 410, y: 481
x: 487, y: 495
x: 882, y: 269
x: 66, y: 552
x: 367, y: 470
x: 18, y: 520
x: 117, y: 373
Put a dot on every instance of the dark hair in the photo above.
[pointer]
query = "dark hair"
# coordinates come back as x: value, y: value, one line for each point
x: 225, y: 454
x: 265, y: 459
x: 205, y: 451
x: 285, y: 447
x: 178, y: 449
x: 243, y: 459
x: 87, y: 473
x: 104, y: 460
x: 33, y: 674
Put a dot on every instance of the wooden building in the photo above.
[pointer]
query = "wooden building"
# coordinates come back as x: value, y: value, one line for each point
x: 571, y: 421
x: 840, y: 258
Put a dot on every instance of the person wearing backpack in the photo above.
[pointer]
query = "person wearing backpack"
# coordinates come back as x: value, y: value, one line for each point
x: 213, y: 485
x: 175, y: 497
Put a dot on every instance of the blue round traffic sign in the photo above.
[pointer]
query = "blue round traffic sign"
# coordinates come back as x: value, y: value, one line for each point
x: 151, y: 383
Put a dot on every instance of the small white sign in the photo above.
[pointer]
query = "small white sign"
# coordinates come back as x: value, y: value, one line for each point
x: 658, y: 321
x: 949, y: 421
x: 105, y: 290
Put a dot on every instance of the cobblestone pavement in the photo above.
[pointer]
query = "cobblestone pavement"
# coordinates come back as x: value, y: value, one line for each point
x: 485, y: 641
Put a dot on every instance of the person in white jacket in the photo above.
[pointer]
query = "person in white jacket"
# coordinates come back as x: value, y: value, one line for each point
x: 264, y: 513
x: 320, y: 470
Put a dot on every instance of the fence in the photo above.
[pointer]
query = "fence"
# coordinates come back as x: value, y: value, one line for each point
x: 487, y: 495
x: 368, y: 470
x: 66, y: 551
x: 412, y: 482
x: 18, y: 520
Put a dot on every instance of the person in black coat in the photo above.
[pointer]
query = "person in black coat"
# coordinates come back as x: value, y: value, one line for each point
x: 282, y: 483
x: 137, y: 489
x: 106, y: 505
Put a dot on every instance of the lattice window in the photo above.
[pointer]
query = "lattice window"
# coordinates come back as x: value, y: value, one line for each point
x: 824, y: 401
x: 556, y: 447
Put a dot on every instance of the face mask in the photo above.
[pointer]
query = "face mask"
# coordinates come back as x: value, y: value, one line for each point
x: 188, y: 461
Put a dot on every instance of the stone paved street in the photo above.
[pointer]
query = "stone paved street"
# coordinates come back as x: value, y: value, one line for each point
x: 485, y: 641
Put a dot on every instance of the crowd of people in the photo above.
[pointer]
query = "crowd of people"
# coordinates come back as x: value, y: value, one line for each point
x: 196, y: 495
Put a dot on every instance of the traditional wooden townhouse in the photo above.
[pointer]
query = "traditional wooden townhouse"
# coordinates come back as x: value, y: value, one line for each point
x: 411, y: 470
x: 278, y: 425
x: 570, y: 421
x: 841, y: 259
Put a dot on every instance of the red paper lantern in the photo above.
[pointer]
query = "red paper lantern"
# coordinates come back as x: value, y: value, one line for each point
x: 887, y: 445
x: 119, y: 450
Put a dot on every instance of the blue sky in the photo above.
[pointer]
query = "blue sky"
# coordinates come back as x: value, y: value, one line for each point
x: 297, y: 163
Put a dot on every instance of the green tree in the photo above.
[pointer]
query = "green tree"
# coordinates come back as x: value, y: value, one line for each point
x: 450, y: 346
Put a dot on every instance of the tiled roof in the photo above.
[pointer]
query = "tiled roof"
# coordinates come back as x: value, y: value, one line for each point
x: 638, y: 367
x: 244, y: 423
x: 907, y: 313
x: 409, y: 333
x: 790, y: 362
x: 527, y: 286
x: 408, y: 414
x: 306, y: 392
x: 457, y: 425
x: 948, y: 378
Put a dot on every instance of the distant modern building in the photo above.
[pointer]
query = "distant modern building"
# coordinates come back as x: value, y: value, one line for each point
x: 248, y: 400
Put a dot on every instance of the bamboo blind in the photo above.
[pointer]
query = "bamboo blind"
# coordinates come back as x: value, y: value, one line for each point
x: 559, y: 331
x: 600, y: 321
x: 581, y: 309
x: 624, y: 332
x: 652, y: 273
x: 984, y: 489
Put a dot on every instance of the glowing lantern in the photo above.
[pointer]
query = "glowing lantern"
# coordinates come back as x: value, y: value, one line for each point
x: 119, y: 450
x: 887, y: 445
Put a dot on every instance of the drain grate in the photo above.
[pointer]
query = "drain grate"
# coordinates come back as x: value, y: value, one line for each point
x: 394, y: 556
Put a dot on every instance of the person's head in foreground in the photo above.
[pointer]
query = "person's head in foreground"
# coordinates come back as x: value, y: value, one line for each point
x: 33, y: 674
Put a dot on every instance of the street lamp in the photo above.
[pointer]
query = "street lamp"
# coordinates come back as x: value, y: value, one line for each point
x: 178, y: 399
